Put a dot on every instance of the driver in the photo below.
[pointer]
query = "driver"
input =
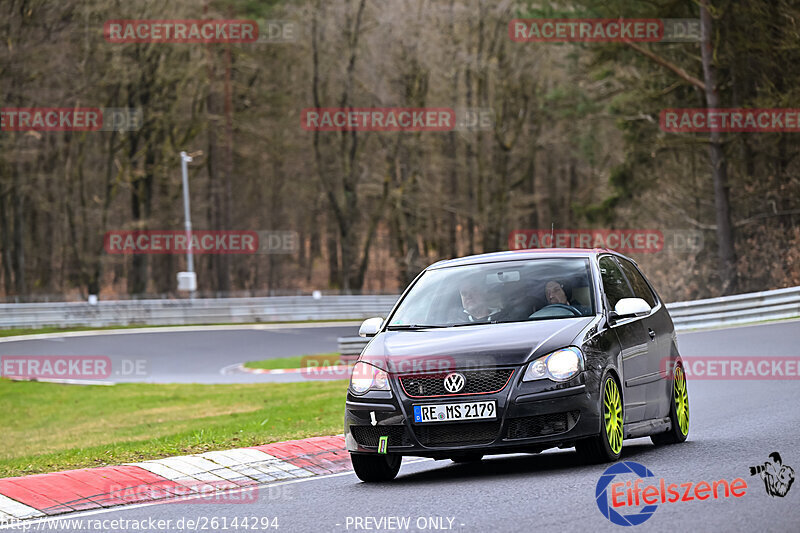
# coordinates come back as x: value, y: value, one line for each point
x: 475, y: 301
x: 554, y: 294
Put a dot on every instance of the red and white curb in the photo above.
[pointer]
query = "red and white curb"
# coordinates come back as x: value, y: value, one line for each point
x: 171, y: 478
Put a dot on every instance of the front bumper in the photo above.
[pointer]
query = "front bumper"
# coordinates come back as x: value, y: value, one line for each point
x: 531, y: 417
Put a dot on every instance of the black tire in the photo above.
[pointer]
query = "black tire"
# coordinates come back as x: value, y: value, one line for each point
x: 378, y: 467
x: 675, y: 435
x: 596, y: 449
x: 468, y: 458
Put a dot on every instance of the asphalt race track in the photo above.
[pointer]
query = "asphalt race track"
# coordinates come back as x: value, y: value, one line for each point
x: 735, y: 424
x: 191, y: 356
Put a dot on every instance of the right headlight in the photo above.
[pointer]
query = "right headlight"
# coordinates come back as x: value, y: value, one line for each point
x: 366, y: 377
x: 560, y: 365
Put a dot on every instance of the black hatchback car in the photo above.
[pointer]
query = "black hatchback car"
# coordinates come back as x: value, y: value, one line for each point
x: 516, y: 352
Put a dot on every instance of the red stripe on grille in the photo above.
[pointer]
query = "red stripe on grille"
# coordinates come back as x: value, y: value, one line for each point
x: 450, y: 395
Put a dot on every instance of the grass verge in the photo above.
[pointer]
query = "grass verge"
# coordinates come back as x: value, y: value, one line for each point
x: 298, y: 361
x: 49, y: 427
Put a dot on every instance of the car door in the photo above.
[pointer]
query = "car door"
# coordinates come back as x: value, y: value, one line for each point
x: 659, y: 329
x: 632, y: 339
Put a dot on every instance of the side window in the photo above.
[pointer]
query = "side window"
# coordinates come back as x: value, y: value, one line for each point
x: 614, y: 284
x: 640, y: 287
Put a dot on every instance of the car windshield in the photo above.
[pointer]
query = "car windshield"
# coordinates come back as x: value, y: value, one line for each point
x: 510, y: 291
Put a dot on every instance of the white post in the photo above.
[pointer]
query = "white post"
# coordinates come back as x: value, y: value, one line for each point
x: 185, y: 158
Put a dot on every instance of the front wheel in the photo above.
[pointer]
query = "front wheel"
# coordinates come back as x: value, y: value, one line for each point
x: 607, y: 446
x: 372, y: 468
x: 678, y: 412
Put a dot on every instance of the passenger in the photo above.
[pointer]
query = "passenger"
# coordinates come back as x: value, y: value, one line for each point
x: 554, y: 293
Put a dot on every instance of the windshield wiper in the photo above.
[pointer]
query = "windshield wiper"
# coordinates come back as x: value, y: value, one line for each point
x: 460, y: 324
x: 393, y: 327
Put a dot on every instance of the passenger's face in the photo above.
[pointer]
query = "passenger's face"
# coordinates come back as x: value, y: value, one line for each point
x: 555, y: 293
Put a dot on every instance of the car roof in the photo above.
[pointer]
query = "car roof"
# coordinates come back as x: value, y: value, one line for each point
x: 517, y: 255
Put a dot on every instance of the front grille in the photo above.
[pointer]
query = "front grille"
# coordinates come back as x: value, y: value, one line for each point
x: 539, y: 426
x: 454, y: 434
x: 477, y: 382
x: 369, y: 435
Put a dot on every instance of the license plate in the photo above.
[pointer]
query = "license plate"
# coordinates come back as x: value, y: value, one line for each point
x: 455, y: 411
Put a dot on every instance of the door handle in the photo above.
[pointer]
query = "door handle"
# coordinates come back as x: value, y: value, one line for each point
x: 652, y: 334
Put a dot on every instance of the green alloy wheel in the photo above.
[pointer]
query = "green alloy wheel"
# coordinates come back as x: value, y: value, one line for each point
x: 612, y: 415
x: 681, y: 401
x: 607, y: 446
x: 678, y: 411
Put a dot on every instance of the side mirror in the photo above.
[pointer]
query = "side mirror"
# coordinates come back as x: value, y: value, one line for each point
x: 370, y: 327
x: 629, y: 308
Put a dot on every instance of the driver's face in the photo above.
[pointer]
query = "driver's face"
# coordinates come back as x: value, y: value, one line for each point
x: 554, y: 293
x: 473, y: 299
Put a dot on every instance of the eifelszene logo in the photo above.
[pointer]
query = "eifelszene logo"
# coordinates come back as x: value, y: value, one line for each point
x: 778, y: 477
x: 607, y: 507
x: 623, y: 485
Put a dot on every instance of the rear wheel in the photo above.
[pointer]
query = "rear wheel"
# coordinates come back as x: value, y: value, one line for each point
x: 678, y: 412
x: 468, y: 458
x: 607, y: 446
x: 377, y: 467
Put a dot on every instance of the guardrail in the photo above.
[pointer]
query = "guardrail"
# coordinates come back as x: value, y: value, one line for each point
x: 713, y: 312
x: 198, y: 311
x: 736, y: 309
x: 350, y: 347
x: 709, y: 313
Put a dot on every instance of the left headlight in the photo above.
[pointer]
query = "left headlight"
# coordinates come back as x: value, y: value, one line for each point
x: 366, y: 377
x: 560, y: 365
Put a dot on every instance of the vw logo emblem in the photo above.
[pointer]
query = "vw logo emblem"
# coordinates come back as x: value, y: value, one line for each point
x: 454, y: 382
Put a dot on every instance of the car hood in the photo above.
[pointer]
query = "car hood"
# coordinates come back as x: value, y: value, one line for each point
x: 472, y: 346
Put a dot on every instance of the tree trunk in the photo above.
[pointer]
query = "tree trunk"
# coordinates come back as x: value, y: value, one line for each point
x: 719, y: 167
x: 18, y: 202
